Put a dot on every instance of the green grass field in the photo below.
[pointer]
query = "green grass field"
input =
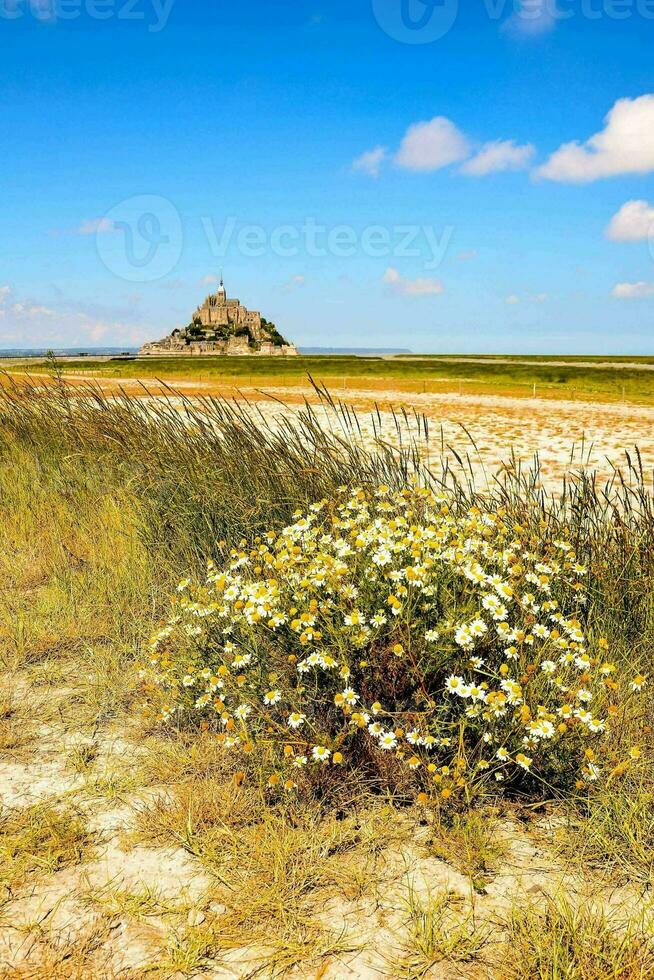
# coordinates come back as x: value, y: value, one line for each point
x: 411, y: 374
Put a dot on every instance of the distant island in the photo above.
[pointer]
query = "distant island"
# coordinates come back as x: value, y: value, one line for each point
x: 224, y: 327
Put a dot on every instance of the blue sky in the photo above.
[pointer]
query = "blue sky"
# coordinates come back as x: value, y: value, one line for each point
x: 362, y: 183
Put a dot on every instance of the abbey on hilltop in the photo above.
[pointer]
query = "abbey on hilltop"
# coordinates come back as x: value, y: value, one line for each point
x: 223, y: 326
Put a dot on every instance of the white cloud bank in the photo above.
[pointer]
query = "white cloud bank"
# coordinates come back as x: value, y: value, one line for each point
x: 29, y: 323
x: 633, y: 290
x: 633, y: 222
x: 624, y: 146
x: 497, y: 156
x: 413, y: 287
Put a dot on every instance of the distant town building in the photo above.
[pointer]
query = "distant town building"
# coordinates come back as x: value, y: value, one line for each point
x: 223, y: 326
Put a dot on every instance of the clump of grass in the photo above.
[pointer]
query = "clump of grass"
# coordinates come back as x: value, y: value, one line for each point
x: 201, y: 471
x: 216, y: 944
x: 437, y: 931
x: 82, y: 756
x: 230, y: 828
x: 141, y: 903
x: 273, y: 868
x: 39, y: 839
x: 198, y: 814
x: 112, y: 783
x: 180, y: 757
x: 70, y: 563
x: 63, y: 955
x: 614, y: 830
x: 187, y: 952
x: 472, y: 843
x: 576, y: 942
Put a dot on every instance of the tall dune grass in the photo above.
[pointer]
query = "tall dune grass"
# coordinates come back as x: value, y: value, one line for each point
x: 208, y: 469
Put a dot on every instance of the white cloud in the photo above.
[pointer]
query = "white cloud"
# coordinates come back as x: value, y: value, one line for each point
x: 624, y: 146
x: 499, y: 155
x: 28, y: 310
x: 466, y: 256
x: 512, y: 300
x: 97, y: 226
x: 370, y: 162
x: 4, y: 292
x: 428, y: 146
x: 633, y: 290
x: 209, y: 280
x: 413, y: 287
x: 633, y: 222
x: 532, y: 17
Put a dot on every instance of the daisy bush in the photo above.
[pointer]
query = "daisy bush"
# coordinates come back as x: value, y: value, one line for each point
x: 387, y: 633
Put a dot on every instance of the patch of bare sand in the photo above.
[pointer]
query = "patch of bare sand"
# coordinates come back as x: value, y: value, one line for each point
x: 23, y: 784
x: 484, y: 431
x: 55, y: 913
